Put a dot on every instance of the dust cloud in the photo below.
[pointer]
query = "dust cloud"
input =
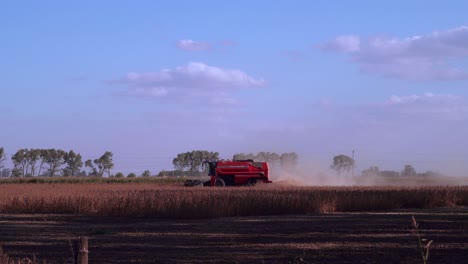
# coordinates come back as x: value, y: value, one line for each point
x: 314, y: 174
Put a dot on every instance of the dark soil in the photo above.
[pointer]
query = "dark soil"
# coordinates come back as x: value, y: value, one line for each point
x: 385, y: 237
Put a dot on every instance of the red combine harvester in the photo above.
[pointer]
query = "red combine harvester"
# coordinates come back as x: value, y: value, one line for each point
x: 234, y: 173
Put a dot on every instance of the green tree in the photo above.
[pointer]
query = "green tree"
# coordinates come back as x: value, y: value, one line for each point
x: 408, y: 170
x: 5, y: 173
x: 119, y: 175
x: 389, y: 174
x: 131, y: 175
x: 73, y: 162
x: 181, y: 161
x: 83, y: 173
x: 55, y: 159
x: 288, y: 160
x: 89, y: 163
x: 371, y: 172
x: 20, y: 163
x: 16, y: 172
x: 342, y: 163
x: 104, y: 163
x: 146, y: 173
x: 272, y: 157
x: 2, y: 157
x: 32, y: 156
x: 193, y: 160
x: 43, y: 157
x: 244, y: 156
x: 261, y: 156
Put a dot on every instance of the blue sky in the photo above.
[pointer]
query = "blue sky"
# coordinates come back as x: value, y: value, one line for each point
x: 149, y: 79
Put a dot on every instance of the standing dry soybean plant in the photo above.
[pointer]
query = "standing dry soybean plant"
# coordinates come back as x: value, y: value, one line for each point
x: 423, y: 248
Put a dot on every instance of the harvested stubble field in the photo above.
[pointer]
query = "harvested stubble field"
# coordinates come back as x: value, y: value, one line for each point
x: 150, y: 223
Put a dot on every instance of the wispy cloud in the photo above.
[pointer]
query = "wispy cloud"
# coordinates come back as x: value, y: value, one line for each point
x: 191, y: 45
x: 195, y: 82
x: 197, y: 46
x: 418, y: 58
x: 427, y: 98
x: 294, y: 55
x: 227, y: 43
x: 346, y: 43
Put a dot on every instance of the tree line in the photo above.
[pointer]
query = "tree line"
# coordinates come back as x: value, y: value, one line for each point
x: 284, y: 160
x: 343, y: 164
x: 191, y: 163
x: 407, y: 171
x: 53, y: 162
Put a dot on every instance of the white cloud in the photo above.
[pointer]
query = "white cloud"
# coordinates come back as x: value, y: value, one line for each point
x: 425, y: 98
x: 191, y: 45
x: 419, y: 58
x: 195, y: 82
x: 347, y: 43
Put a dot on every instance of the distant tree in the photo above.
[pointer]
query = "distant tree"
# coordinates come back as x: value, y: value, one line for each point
x: 244, y: 156
x: 2, y: 157
x: 5, y: 173
x: 238, y: 156
x: 101, y: 165
x: 272, y: 157
x: 32, y: 156
x: 261, y: 156
x: 193, y: 160
x: 181, y: 161
x: 342, y: 163
x: 146, y: 173
x: 43, y: 157
x: 55, y: 160
x: 119, y: 175
x: 131, y: 175
x: 430, y: 174
x: 16, y: 172
x: 389, y: 174
x: 171, y: 173
x: 66, y: 172
x: 89, y: 163
x: 408, y: 170
x: 20, y: 163
x: 288, y: 160
x: 105, y: 162
x: 73, y: 162
x: 82, y: 173
x: 371, y: 172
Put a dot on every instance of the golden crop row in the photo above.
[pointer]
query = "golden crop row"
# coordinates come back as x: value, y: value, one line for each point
x: 205, y: 202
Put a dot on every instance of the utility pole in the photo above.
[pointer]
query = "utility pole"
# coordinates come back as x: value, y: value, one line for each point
x: 352, y: 173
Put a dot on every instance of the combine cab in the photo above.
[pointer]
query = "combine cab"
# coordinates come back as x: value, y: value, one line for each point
x: 234, y: 173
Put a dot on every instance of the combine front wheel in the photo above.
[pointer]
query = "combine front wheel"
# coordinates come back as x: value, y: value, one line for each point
x: 220, y: 182
x: 252, y: 182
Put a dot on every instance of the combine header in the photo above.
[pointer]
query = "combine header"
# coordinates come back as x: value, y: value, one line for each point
x: 234, y: 173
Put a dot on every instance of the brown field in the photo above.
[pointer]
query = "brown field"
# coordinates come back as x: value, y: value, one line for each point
x: 153, y: 200
x: 150, y: 223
